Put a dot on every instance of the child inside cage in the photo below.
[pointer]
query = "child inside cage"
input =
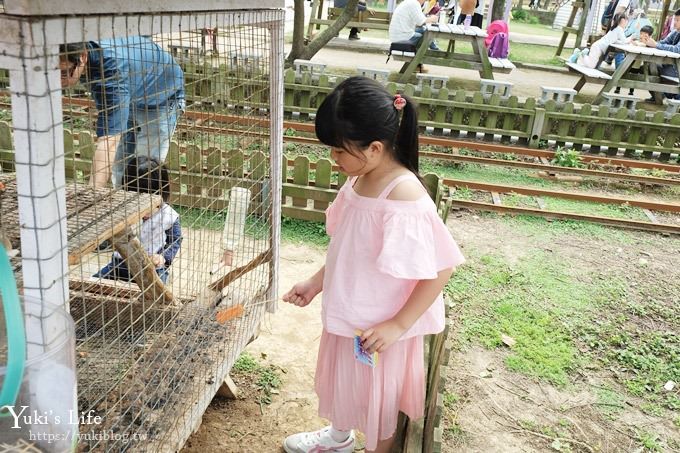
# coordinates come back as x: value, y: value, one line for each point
x: 389, y: 258
x: 616, y: 35
x: 160, y: 234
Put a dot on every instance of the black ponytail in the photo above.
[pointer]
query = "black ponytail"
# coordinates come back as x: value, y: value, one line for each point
x: 360, y: 111
x: 406, y: 145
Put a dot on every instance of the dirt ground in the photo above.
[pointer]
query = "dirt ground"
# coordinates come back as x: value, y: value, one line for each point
x: 495, y: 403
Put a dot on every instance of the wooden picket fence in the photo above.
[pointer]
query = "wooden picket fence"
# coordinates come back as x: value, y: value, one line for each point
x: 457, y: 113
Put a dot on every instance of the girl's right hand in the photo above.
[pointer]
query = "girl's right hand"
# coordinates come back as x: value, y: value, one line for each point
x: 302, y: 293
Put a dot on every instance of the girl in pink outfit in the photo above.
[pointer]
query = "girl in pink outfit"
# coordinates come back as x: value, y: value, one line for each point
x: 389, y: 258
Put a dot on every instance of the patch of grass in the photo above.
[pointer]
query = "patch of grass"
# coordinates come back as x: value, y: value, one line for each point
x: 650, y: 441
x: 267, y: 379
x: 609, y: 402
x: 534, y: 30
x: 213, y: 220
x: 295, y: 230
x: 561, y: 229
x: 450, y: 399
x: 246, y: 364
x: 652, y: 409
x: 525, y: 301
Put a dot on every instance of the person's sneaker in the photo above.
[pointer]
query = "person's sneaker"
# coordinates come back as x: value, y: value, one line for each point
x: 317, y: 441
x: 575, y: 55
x: 354, y: 37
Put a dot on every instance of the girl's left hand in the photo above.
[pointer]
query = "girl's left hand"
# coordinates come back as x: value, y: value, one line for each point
x: 380, y: 337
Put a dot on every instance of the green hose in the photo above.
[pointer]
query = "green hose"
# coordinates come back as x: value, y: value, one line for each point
x: 16, y: 336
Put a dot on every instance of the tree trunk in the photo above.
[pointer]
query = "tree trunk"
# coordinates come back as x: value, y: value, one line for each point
x: 298, y: 30
x: 498, y: 10
x: 306, y: 52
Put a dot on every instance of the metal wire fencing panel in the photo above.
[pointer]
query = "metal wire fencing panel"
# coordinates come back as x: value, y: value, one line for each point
x: 171, y: 200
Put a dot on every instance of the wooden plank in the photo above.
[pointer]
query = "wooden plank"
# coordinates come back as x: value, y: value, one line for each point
x: 310, y: 193
x: 492, y: 116
x: 301, y: 178
x: 616, y: 132
x: 308, y: 214
x: 322, y: 180
x: 502, y: 188
x: 622, y: 223
x: 634, y: 133
x: 496, y: 198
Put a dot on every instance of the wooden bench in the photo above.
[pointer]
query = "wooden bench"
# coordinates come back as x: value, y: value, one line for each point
x: 502, y: 65
x: 379, y: 20
x: 670, y: 78
x: 588, y: 75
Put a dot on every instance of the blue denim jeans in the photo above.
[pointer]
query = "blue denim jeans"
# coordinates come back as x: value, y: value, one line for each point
x: 618, y: 59
x: 418, y: 35
x: 148, y: 134
x: 117, y: 270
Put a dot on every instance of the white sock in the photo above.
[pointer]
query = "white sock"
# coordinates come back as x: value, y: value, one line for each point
x: 339, y: 436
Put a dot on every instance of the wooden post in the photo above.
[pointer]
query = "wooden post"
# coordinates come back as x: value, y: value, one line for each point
x: 582, y: 23
x: 664, y: 14
x: 277, y: 164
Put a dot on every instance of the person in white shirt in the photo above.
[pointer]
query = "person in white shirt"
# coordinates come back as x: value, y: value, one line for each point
x: 616, y: 35
x: 407, y: 22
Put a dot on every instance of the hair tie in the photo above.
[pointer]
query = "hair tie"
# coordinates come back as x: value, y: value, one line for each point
x: 399, y: 102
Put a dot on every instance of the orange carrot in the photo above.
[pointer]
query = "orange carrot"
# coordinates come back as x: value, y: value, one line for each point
x: 229, y: 313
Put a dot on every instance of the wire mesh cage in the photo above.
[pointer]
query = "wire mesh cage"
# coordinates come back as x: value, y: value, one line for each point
x: 140, y: 188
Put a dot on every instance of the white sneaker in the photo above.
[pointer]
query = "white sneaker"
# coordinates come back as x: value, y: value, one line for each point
x: 317, y: 441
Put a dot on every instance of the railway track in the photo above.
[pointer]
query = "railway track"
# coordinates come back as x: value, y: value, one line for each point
x: 237, y: 123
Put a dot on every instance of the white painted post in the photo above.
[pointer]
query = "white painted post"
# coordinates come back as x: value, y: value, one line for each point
x: 276, y: 57
x: 39, y: 158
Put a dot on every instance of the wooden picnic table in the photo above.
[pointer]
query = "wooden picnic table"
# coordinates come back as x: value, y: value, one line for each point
x: 94, y: 216
x: 649, y: 79
x: 479, y: 59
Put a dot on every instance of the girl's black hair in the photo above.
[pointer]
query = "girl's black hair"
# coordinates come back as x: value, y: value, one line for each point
x: 360, y: 111
x: 616, y: 19
x: 147, y: 175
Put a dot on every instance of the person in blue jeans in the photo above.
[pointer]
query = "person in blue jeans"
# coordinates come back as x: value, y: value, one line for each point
x: 160, y: 233
x: 138, y: 89
x: 354, y: 31
x: 670, y: 43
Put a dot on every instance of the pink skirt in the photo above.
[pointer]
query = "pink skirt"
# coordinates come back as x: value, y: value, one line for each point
x: 355, y: 396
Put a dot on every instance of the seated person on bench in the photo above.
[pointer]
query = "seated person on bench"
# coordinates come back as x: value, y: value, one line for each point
x: 354, y: 31
x: 408, y: 21
x: 670, y: 43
